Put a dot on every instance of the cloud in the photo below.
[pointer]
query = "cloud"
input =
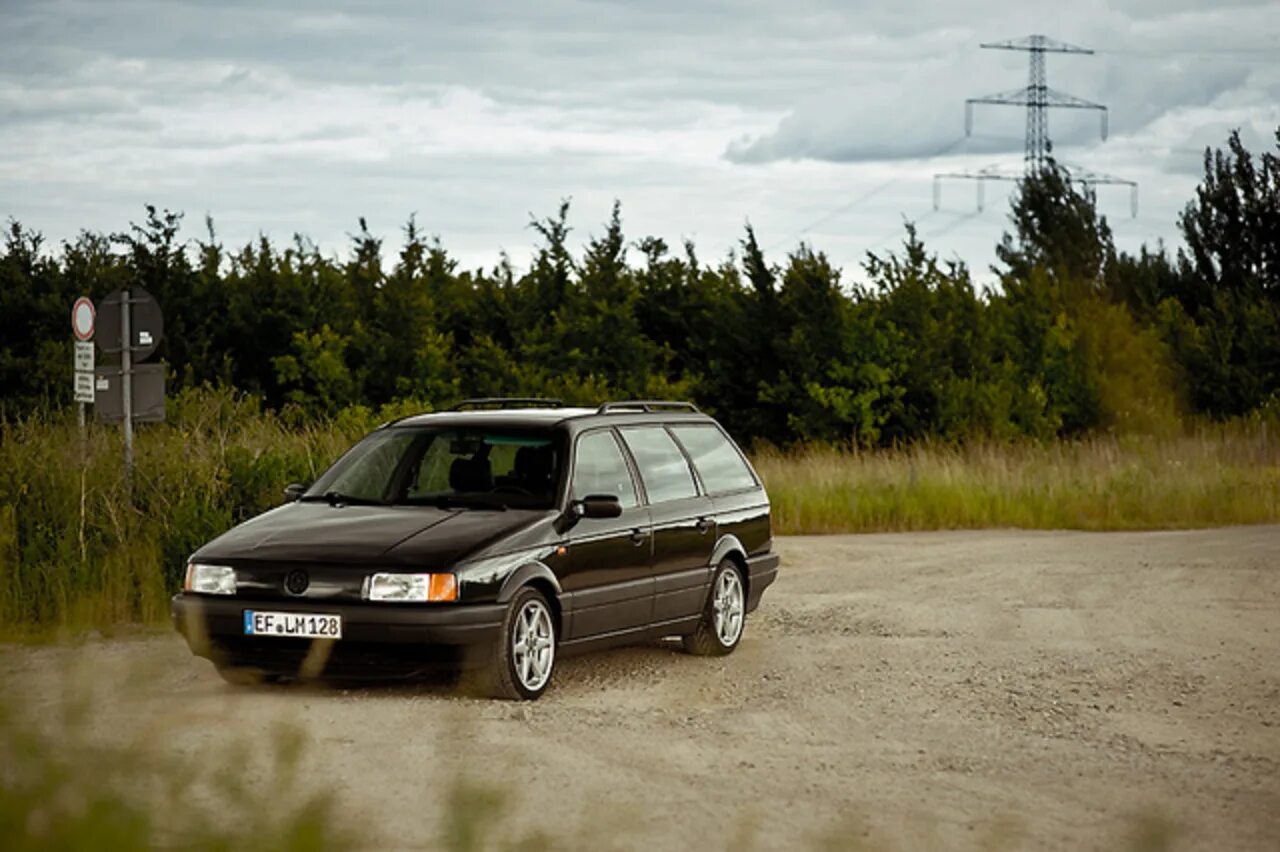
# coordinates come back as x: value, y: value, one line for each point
x: 1187, y: 156
x: 915, y: 110
x: 898, y: 113
x: 303, y: 114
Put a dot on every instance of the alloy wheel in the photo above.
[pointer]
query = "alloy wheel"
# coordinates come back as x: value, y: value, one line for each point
x: 728, y: 607
x: 533, y: 645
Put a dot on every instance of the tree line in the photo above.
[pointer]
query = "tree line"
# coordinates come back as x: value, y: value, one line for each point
x: 1076, y: 337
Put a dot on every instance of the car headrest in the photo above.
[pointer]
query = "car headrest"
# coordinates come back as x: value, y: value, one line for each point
x: 471, y: 475
x: 534, y: 464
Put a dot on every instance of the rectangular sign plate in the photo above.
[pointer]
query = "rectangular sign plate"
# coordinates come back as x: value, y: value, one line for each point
x: 84, y: 387
x: 297, y: 625
x: 148, y: 394
x: 84, y: 356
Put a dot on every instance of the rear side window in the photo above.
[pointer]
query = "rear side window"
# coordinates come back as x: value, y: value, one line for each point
x: 718, y: 462
x: 601, y: 469
x: 663, y: 467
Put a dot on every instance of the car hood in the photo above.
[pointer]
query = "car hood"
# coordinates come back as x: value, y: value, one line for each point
x: 419, y: 536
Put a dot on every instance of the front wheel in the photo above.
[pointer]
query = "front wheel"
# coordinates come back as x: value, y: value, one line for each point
x: 720, y: 628
x: 520, y: 664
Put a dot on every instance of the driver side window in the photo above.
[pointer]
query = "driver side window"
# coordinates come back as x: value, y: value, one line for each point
x: 601, y: 469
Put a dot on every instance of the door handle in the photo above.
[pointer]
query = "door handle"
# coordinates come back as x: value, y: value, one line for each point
x: 704, y: 524
x: 639, y: 536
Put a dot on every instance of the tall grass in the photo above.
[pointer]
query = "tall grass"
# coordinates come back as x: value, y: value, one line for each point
x: 1212, y: 475
x: 74, y: 554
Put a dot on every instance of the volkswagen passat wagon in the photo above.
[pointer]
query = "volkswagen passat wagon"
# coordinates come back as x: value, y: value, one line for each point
x: 493, y: 537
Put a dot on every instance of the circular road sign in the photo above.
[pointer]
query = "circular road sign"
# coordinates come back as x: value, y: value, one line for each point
x: 146, y: 324
x: 82, y: 318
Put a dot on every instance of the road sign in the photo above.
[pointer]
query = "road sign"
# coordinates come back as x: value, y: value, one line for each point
x: 84, y: 371
x: 83, y: 317
x: 84, y: 387
x: 147, y: 394
x: 84, y: 356
x: 129, y: 322
x: 146, y: 323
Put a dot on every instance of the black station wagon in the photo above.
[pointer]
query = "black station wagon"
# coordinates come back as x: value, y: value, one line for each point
x: 491, y: 537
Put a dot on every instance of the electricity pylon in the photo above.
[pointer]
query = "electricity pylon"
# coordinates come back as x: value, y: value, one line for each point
x: 1038, y: 99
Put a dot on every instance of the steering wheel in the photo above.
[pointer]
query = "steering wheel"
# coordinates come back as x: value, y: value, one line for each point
x: 513, y: 489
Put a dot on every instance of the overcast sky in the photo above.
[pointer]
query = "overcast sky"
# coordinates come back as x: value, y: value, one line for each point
x: 821, y: 121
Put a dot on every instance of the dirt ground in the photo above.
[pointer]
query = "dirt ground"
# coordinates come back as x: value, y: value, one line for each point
x: 966, y: 690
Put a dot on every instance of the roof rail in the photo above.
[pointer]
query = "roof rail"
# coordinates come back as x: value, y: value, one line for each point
x: 507, y: 402
x: 648, y: 405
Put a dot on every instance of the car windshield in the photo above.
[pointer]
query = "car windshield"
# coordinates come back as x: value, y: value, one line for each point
x: 463, y: 468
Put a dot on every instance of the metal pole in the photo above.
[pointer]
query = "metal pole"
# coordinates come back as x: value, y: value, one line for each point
x: 126, y: 388
x: 84, y: 461
x: 84, y: 450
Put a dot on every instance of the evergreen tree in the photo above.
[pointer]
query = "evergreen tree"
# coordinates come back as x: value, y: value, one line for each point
x: 1056, y: 229
x: 1077, y: 337
x: 1225, y: 327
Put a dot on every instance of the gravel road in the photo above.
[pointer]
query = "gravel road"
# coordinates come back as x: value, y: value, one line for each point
x: 967, y: 690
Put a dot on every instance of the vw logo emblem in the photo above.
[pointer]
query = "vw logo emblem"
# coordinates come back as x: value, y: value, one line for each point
x: 296, y: 582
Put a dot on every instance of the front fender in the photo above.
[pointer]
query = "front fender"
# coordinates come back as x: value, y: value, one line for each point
x: 525, y: 574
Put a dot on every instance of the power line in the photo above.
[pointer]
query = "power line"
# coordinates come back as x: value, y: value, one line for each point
x: 951, y: 226
x: 897, y: 232
x: 866, y: 196
x: 1273, y: 52
x: 925, y: 234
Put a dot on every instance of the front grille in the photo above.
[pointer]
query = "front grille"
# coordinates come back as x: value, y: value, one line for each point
x: 288, y: 580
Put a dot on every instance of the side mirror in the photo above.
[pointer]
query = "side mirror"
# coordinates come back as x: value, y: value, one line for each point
x: 293, y: 491
x: 597, y: 506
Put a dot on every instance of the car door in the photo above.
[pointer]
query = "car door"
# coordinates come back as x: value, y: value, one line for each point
x: 683, y: 522
x: 609, y: 584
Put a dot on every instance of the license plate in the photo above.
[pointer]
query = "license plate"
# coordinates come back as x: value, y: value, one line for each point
x: 298, y: 625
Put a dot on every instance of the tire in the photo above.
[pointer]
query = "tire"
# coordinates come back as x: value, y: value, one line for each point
x: 511, y: 669
x: 716, y: 636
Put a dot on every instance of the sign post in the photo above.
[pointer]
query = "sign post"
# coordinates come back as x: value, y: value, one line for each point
x: 126, y: 384
x: 84, y: 318
x: 130, y: 322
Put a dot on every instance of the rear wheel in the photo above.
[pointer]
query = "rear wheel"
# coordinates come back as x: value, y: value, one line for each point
x: 519, y: 665
x: 720, y: 628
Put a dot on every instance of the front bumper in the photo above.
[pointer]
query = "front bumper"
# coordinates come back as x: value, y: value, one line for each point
x: 378, y: 640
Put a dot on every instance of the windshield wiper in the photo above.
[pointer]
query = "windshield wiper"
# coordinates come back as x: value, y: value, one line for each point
x: 337, y: 498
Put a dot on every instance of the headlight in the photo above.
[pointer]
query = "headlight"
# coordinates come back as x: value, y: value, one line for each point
x: 210, y: 579
x: 411, y: 588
